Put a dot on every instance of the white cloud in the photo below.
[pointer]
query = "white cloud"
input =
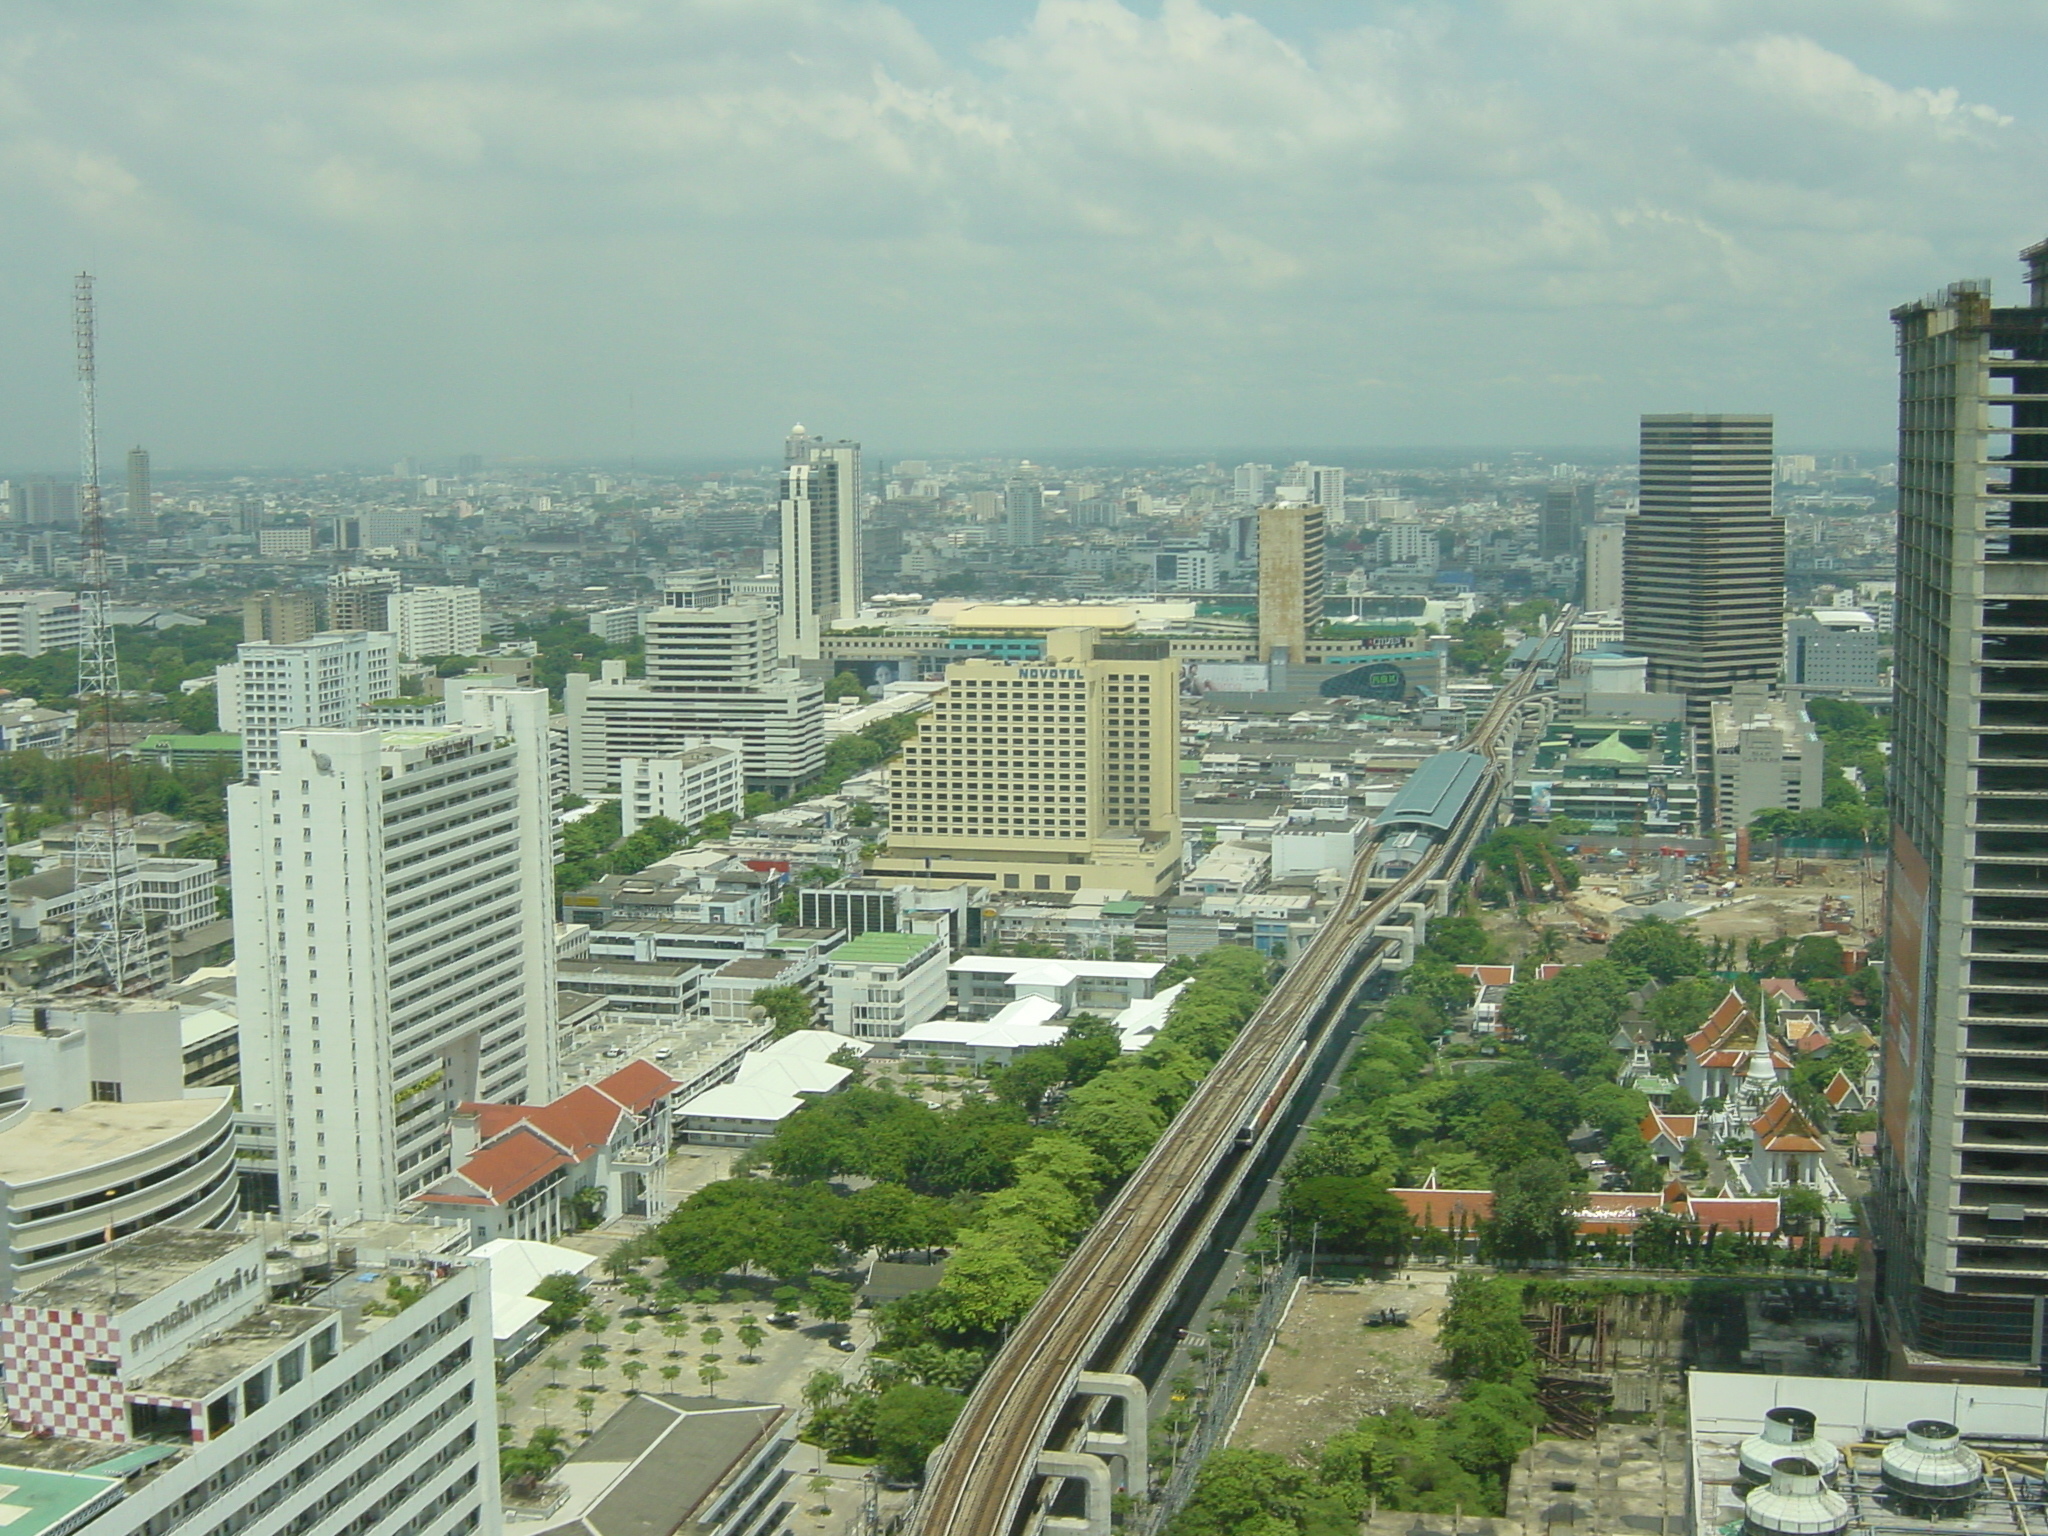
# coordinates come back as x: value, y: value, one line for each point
x: 382, y: 227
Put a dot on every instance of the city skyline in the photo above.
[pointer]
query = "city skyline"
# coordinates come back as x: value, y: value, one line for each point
x: 538, y: 233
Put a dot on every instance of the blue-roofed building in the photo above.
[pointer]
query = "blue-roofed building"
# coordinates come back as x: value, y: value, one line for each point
x: 1435, y: 793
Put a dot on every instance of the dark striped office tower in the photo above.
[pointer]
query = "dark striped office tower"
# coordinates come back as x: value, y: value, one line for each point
x: 1961, y: 1201
x: 1703, y: 565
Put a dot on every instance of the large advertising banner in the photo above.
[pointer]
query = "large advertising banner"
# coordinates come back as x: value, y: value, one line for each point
x: 1904, y: 1001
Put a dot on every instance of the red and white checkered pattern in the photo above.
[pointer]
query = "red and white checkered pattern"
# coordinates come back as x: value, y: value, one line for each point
x: 44, y: 1354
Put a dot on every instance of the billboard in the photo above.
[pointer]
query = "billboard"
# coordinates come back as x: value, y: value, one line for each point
x: 1227, y: 677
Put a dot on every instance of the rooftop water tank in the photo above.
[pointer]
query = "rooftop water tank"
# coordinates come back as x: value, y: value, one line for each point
x: 1795, y: 1502
x: 1787, y: 1432
x: 1931, y: 1473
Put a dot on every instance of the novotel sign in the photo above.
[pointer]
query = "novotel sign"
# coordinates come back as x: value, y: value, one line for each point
x: 1055, y: 674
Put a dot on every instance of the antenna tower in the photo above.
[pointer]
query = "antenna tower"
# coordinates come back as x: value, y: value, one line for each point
x: 109, y: 933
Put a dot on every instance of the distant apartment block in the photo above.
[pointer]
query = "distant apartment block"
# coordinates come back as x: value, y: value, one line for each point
x: 436, y: 621
x: 708, y: 779
x: 33, y: 623
x: 321, y: 683
x: 281, y: 618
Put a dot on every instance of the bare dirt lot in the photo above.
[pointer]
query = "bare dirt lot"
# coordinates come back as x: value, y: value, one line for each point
x: 1326, y: 1369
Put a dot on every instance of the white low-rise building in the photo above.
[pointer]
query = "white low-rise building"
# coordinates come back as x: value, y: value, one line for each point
x: 880, y: 984
x: 1025, y: 1025
x: 706, y: 778
x: 436, y: 621
x: 983, y: 985
x: 1139, y: 1024
x: 772, y: 1084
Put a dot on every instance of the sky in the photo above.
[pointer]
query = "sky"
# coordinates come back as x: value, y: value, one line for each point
x: 598, y: 230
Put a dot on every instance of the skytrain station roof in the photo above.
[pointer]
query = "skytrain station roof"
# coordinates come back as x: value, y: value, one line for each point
x: 1435, y: 793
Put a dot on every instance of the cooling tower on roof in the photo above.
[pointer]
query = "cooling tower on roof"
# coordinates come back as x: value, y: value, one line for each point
x: 1795, y: 1502
x: 1787, y: 1432
x: 1931, y: 1473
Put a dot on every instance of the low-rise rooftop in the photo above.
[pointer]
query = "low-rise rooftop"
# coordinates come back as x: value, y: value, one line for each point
x: 126, y: 1272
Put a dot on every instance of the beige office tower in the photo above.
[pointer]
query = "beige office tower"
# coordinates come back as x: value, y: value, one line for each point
x: 1051, y: 775
x: 1290, y: 580
x: 282, y: 618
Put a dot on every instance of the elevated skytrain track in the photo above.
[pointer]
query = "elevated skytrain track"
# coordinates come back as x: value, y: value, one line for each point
x: 1097, y: 1311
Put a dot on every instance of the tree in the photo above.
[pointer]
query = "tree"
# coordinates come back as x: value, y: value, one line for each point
x: 789, y: 1008
x: 1239, y: 1488
x: 845, y: 685
x: 566, y: 1300
x: 1351, y: 1215
x: 711, y: 1376
x: 1802, y: 1211
x: 669, y: 1374
x: 1534, y: 1212
x: 1482, y: 1332
x: 1816, y: 955
x: 633, y: 1370
x: 1665, y: 951
x: 909, y: 1422
x: 750, y: 1334
x: 831, y: 1300
x: 592, y: 1360
x: 712, y: 1337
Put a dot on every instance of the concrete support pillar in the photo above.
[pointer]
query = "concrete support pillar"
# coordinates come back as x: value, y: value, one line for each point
x: 1092, y: 1472
x: 1130, y: 1442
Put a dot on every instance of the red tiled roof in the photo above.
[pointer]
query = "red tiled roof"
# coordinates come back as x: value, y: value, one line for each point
x: 581, y: 1121
x: 1782, y: 1128
x: 1490, y: 975
x: 1610, y: 1211
x: 1550, y: 968
x: 1755, y: 1216
x: 639, y: 1085
x: 1680, y: 1128
x: 1446, y: 1208
x: 1817, y: 1041
x: 1784, y: 987
x: 507, y: 1167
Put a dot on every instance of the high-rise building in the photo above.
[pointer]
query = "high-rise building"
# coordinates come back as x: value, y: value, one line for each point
x: 710, y: 672
x: 1023, y: 512
x: 1600, y: 580
x: 436, y: 621
x: 141, y: 503
x: 318, y: 1417
x: 1703, y: 562
x: 1291, y: 580
x: 820, y: 552
x: 321, y: 683
x: 1057, y: 774
x: 283, y: 618
x: 1567, y: 509
x: 43, y: 502
x: 360, y: 598
x: 394, y: 940
x: 1249, y: 484
x: 1326, y: 489
x: 1962, y: 1186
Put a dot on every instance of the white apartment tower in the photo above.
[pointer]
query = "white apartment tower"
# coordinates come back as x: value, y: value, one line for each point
x: 820, y: 552
x: 1326, y: 489
x: 395, y: 939
x: 711, y: 673
x: 319, y: 683
x: 436, y: 621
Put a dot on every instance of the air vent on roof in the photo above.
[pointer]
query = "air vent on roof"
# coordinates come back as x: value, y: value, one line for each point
x: 1795, y: 1502
x: 1786, y: 1432
x: 1931, y: 1474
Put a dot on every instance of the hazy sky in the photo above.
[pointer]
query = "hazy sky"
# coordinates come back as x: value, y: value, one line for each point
x: 586, y: 228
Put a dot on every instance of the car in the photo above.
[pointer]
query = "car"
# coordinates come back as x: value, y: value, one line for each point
x: 844, y: 1346
x: 615, y: 1050
x: 663, y: 1054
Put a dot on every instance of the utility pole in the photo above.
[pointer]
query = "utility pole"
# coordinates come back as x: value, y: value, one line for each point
x: 108, y: 936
